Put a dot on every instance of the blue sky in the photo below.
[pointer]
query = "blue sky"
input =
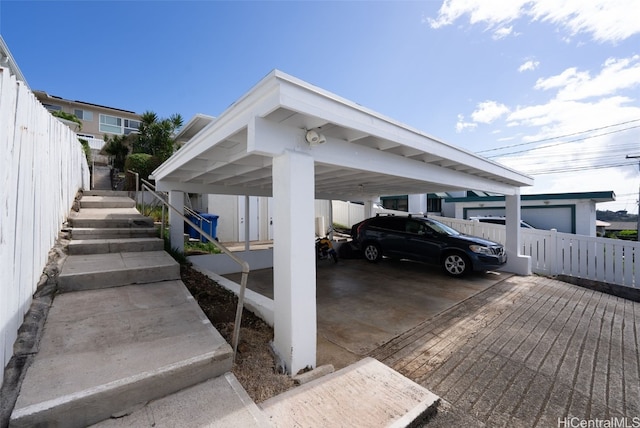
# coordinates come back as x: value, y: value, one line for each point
x: 549, y: 88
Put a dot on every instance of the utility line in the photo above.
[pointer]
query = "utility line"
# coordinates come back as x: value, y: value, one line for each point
x: 563, y: 142
x: 575, y: 169
x: 561, y: 136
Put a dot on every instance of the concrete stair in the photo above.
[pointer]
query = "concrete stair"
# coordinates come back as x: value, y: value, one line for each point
x: 88, y: 272
x: 114, y: 245
x: 105, y: 352
x: 124, y: 332
x: 107, y: 202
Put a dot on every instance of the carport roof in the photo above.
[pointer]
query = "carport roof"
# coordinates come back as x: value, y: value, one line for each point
x: 365, y: 154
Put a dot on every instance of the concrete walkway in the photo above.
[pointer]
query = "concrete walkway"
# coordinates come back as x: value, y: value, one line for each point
x: 527, y: 352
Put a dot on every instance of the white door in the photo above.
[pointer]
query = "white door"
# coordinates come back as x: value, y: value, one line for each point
x: 253, y: 218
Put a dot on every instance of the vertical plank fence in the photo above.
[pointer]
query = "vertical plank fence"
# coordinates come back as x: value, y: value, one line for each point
x: 42, y: 166
x: 612, y: 261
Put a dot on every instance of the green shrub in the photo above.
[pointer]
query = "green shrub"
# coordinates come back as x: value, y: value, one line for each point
x: 142, y: 163
x: 86, y: 149
x: 629, y: 235
x: 68, y: 116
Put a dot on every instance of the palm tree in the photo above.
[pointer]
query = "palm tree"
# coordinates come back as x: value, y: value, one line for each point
x: 155, y: 136
x: 118, y: 147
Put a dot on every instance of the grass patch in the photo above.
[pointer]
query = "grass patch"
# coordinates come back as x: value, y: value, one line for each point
x: 197, y: 247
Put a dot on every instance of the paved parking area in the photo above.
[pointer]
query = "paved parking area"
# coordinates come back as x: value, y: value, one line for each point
x: 528, y: 352
x: 361, y: 305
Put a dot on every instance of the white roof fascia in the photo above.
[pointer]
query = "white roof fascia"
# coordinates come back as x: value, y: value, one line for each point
x: 345, y: 113
x: 263, y: 99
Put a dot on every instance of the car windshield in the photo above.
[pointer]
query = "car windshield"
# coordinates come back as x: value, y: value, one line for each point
x: 441, y: 228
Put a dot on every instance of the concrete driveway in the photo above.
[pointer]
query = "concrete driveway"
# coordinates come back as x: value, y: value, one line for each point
x: 500, y: 350
x: 528, y: 352
x: 361, y: 306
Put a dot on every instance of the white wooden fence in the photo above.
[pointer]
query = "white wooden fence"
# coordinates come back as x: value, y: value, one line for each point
x: 42, y: 166
x: 611, y: 261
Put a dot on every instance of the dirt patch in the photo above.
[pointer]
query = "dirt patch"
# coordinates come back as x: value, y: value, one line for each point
x: 254, y: 367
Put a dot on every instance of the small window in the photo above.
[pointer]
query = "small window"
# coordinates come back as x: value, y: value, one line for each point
x: 110, y: 124
x: 131, y: 126
x: 52, y: 107
x: 83, y: 114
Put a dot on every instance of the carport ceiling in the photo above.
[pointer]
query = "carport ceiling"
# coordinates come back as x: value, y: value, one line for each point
x: 365, y: 153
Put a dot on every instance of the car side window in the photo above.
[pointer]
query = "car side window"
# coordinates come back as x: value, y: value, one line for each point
x: 415, y: 227
x: 389, y: 223
x: 396, y: 224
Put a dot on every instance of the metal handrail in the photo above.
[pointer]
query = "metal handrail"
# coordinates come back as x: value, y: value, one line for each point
x: 137, y: 181
x: 189, y: 210
x: 243, y: 264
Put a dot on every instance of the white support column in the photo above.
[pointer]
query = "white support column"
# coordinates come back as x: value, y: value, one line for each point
x: 516, y: 263
x: 247, y: 223
x: 331, y: 219
x: 294, y: 267
x: 368, y: 207
x: 176, y: 224
x: 417, y: 203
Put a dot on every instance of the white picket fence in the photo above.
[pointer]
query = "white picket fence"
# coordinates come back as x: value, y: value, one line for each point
x: 42, y: 166
x: 612, y: 261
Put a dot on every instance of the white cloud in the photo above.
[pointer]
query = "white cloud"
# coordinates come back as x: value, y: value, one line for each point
x: 529, y: 65
x: 493, y: 12
x: 502, y: 32
x: 461, y: 125
x: 489, y: 111
x: 604, y: 20
x: 579, y: 101
x: 616, y: 75
x: 568, y: 76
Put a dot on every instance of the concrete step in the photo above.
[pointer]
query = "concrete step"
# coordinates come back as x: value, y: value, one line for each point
x: 220, y: 402
x: 87, y: 272
x: 107, y: 193
x: 107, y: 202
x: 87, y: 233
x: 366, y: 393
x: 123, y: 245
x: 111, y: 217
x: 105, y: 352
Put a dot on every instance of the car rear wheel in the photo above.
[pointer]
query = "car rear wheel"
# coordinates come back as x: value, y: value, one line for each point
x: 455, y: 264
x: 372, y: 252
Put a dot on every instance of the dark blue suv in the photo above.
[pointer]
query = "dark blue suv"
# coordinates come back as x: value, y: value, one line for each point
x: 423, y: 239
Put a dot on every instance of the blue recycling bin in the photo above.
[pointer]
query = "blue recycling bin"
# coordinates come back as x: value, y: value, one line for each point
x: 209, y: 226
x: 193, y: 234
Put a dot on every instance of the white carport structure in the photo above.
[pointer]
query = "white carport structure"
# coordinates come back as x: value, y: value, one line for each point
x: 259, y: 147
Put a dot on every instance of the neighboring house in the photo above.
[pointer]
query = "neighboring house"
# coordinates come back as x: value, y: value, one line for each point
x: 97, y: 120
x: 618, y: 226
x: 565, y: 212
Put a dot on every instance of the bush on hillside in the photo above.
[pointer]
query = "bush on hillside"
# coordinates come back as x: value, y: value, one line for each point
x: 142, y: 163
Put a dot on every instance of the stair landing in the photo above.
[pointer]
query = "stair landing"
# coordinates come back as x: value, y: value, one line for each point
x: 118, y: 348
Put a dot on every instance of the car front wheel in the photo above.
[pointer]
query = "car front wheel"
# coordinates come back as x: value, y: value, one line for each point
x: 456, y: 264
x: 372, y: 252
